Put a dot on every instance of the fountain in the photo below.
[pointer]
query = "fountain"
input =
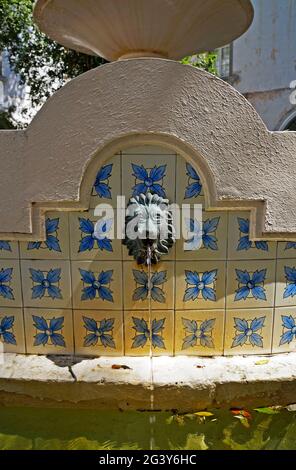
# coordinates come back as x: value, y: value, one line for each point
x: 159, y: 133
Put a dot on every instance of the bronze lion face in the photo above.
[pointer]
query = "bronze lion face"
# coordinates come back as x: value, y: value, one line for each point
x: 149, y: 231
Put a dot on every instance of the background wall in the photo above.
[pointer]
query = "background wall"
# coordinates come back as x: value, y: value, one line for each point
x: 263, y: 62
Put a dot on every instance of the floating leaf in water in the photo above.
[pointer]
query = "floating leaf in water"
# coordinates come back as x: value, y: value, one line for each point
x: 244, y: 421
x: 204, y: 414
x: 270, y: 410
x: 119, y: 366
x: 243, y: 413
x: 262, y: 362
x: 291, y: 408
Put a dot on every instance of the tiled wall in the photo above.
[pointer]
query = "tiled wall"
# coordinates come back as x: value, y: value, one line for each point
x: 81, y: 294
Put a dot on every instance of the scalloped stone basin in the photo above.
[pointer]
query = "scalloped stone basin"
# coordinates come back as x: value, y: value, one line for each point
x: 170, y: 29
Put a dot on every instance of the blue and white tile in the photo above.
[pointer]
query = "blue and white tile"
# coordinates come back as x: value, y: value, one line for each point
x: 286, y: 283
x: 56, y: 245
x: 284, y: 331
x: 107, y: 184
x: 240, y: 247
x: 9, y: 249
x: 206, y: 241
x: 190, y: 187
x: 98, y: 333
x: 94, y: 238
x: 199, y: 332
x: 97, y: 285
x: 248, y: 331
x: 12, y: 337
x: 137, y: 286
x: 46, y: 283
x: 10, y: 284
x: 49, y: 331
x: 250, y: 284
x: 200, y: 285
x: 138, y: 334
x: 153, y: 171
x: 286, y: 250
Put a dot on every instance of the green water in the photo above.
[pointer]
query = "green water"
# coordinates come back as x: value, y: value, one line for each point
x: 25, y: 428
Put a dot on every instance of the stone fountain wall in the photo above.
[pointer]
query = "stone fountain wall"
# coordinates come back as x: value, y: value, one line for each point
x: 77, y: 293
x: 196, y: 141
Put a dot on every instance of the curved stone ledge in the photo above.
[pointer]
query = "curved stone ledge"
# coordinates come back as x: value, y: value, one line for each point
x: 181, y: 383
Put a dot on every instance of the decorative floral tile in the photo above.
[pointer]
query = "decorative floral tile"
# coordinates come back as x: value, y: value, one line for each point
x: 207, y: 242
x: 199, y: 332
x: 240, y: 247
x: 56, y: 245
x: 46, y: 283
x: 286, y: 283
x: 9, y: 250
x: 97, y: 285
x: 250, y: 284
x: 138, y: 335
x: 200, y: 285
x: 49, y: 331
x: 137, y: 286
x: 92, y: 238
x: 98, y: 333
x: 12, y: 339
x: 149, y: 172
x: 248, y: 331
x: 189, y: 188
x: 284, y: 330
x: 286, y: 250
x: 107, y: 185
x: 10, y: 284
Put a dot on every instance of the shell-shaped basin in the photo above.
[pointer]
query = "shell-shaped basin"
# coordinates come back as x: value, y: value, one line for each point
x: 116, y: 29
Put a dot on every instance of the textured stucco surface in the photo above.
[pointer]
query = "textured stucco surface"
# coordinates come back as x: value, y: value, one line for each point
x: 54, y: 162
x: 183, y: 383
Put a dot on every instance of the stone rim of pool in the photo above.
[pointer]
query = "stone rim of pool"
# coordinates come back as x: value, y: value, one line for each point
x: 181, y: 384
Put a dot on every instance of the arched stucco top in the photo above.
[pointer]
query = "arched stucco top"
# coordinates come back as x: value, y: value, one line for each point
x: 177, y: 105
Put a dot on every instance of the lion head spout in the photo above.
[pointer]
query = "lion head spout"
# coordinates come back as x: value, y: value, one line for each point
x: 149, y: 230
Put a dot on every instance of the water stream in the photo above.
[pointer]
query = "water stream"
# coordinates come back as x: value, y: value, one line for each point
x: 151, y: 386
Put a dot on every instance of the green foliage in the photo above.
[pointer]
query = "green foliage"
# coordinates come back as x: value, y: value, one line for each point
x: 42, y: 64
x: 6, y: 122
x: 206, y: 61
